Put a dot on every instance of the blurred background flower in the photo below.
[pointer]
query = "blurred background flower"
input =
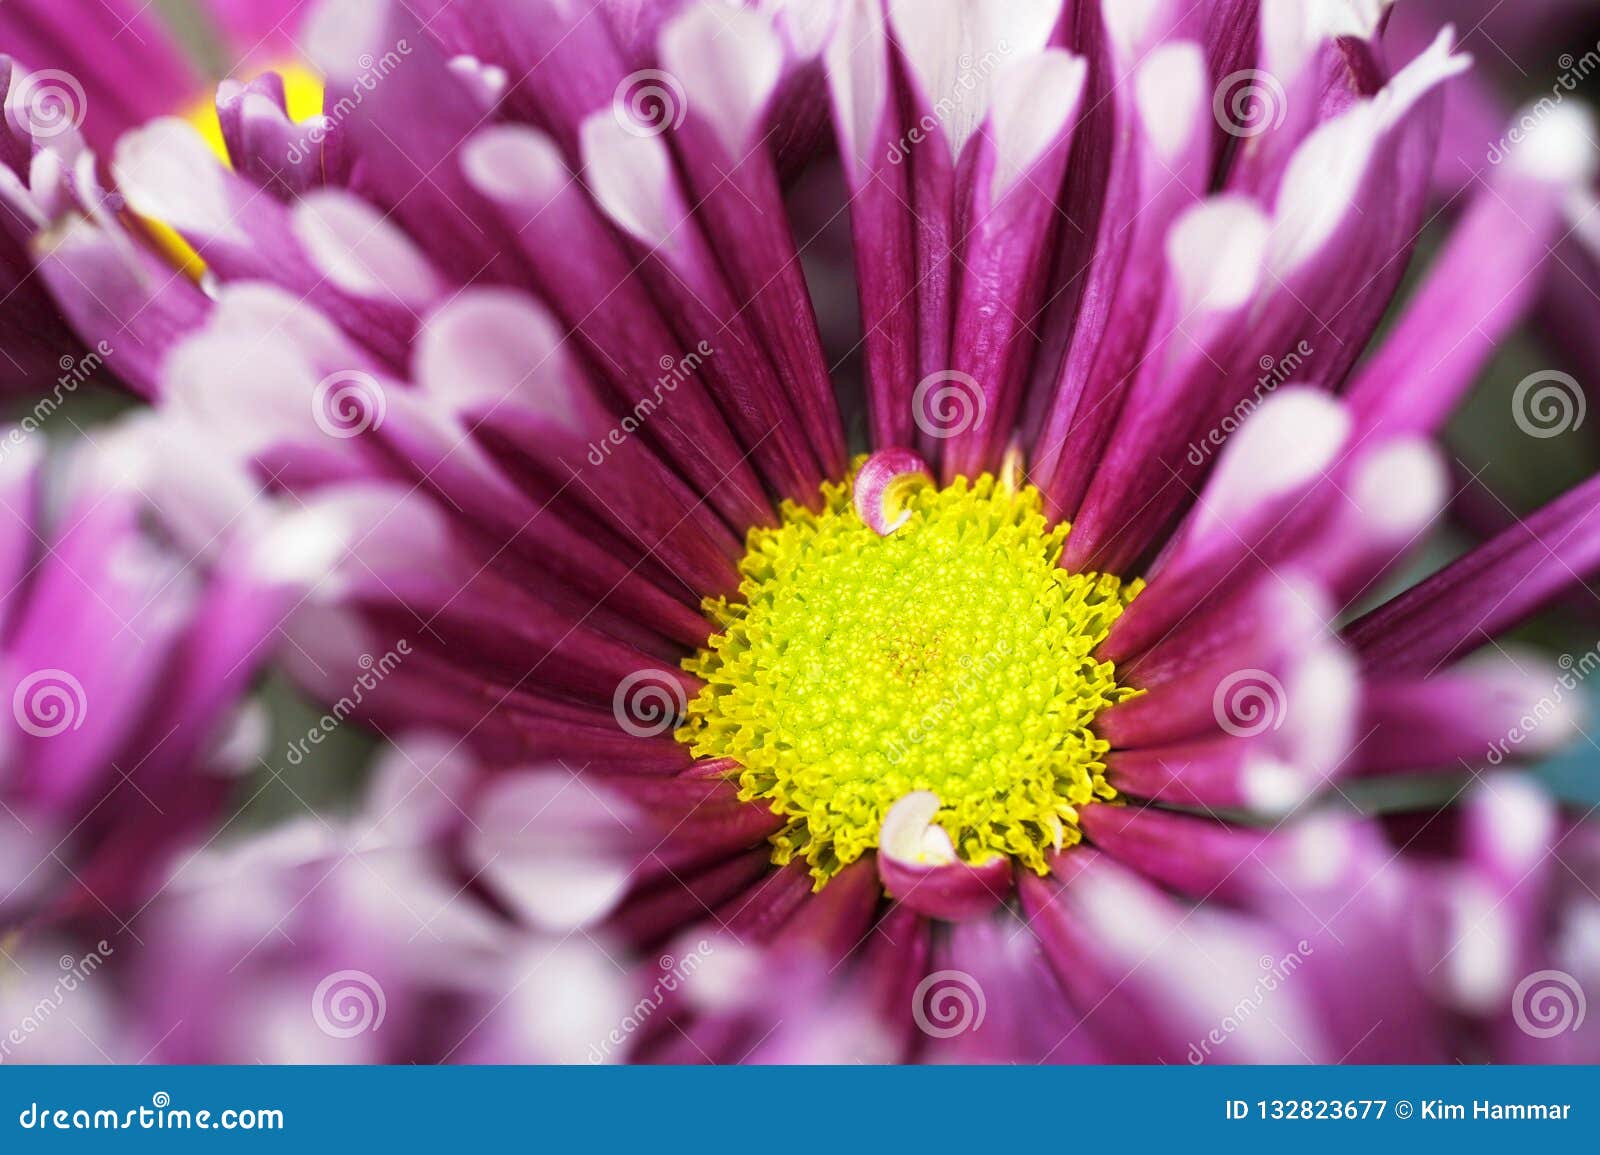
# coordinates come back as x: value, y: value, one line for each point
x: 470, y: 340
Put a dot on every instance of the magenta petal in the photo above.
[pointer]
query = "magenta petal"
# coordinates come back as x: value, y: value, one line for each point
x: 955, y: 893
x: 1010, y: 214
x: 1514, y: 708
x: 989, y: 996
x: 1191, y: 854
x: 1151, y: 976
x: 579, y: 267
x: 404, y: 134
x: 730, y: 64
x: 125, y: 69
x: 634, y: 180
x: 1480, y: 286
x: 263, y: 143
x: 654, y: 912
x: 501, y: 363
x: 1222, y: 772
x: 919, y: 866
x: 867, y: 123
x: 138, y: 309
x: 564, y: 59
x: 1190, y: 310
x: 1486, y: 592
x: 881, y: 484
x: 706, y: 822
x: 1141, y: 158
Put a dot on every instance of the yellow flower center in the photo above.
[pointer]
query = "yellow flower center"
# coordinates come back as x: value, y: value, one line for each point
x: 302, y: 98
x: 953, y: 655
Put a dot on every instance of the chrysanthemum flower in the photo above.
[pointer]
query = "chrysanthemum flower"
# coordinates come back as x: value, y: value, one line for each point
x: 973, y: 712
x: 348, y: 939
x: 1506, y: 924
x: 82, y: 74
x: 122, y: 666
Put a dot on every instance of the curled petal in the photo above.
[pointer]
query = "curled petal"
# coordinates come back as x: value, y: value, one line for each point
x: 882, y: 485
x: 917, y: 864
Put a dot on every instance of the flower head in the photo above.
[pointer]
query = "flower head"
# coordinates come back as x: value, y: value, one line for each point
x: 982, y: 696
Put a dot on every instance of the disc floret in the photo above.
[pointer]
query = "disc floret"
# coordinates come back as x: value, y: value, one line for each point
x: 951, y: 655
